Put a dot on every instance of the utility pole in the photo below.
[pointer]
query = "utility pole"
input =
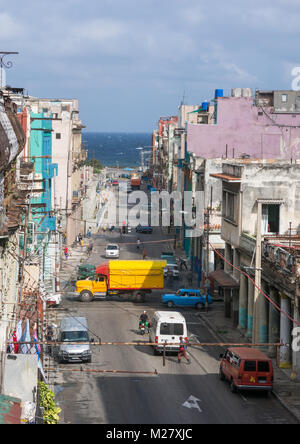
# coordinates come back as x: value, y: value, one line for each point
x: 207, y: 223
x: 256, y: 335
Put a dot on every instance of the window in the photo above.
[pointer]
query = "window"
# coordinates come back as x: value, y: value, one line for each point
x: 263, y: 366
x: 230, y: 206
x: 250, y: 366
x: 171, y: 329
x: 270, y: 219
x: 284, y: 98
x: 100, y: 279
x: 74, y: 336
x: 58, y: 135
x: 236, y: 361
x: 229, y: 356
x: 192, y: 295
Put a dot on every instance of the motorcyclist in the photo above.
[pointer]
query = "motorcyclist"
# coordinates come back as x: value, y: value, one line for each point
x: 144, y: 319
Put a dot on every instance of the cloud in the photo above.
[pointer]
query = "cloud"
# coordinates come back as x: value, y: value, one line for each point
x: 148, y: 51
x: 9, y: 27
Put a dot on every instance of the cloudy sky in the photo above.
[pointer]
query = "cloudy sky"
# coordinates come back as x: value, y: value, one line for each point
x: 131, y: 61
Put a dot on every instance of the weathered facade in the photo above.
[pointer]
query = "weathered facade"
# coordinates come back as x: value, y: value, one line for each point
x: 262, y: 199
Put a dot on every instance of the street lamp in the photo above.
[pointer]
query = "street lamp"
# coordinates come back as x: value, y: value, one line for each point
x: 4, y: 64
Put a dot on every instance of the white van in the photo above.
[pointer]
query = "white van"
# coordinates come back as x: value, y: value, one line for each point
x: 74, y: 330
x: 167, y: 327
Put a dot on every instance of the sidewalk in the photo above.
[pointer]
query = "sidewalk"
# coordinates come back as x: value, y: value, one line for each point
x: 70, y: 265
x: 286, y: 391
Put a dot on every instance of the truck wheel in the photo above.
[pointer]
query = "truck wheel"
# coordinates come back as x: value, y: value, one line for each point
x: 86, y: 296
x: 170, y: 304
x: 233, y: 387
x: 198, y: 306
x: 139, y: 296
x: 221, y: 375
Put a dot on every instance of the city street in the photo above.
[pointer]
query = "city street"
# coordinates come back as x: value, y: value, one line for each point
x: 178, y: 394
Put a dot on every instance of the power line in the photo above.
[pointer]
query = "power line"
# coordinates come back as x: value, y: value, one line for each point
x: 259, y: 289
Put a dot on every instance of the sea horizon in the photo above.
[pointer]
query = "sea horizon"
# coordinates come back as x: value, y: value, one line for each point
x: 118, y: 149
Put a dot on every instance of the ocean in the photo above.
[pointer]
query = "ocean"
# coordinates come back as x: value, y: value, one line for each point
x: 117, y: 149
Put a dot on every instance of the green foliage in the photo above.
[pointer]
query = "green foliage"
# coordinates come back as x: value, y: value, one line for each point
x: 47, y: 401
x: 95, y: 163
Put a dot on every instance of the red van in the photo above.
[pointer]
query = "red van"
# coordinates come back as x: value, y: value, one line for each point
x: 246, y: 369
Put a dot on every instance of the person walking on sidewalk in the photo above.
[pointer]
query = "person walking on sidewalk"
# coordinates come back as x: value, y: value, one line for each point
x: 182, y: 350
x: 90, y: 248
x: 183, y: 264
x: 66, y: 250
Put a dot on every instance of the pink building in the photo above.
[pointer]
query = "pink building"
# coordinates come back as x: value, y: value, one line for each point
x: 243, y: 129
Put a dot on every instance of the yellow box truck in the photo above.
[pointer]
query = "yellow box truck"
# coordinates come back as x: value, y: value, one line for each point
x: 133, y: 279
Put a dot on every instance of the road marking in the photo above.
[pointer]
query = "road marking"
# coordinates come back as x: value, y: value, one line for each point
x: 192, y: 403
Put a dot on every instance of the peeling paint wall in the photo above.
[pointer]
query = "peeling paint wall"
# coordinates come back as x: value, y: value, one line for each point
x: 246, y: 129
x: 261, y: 181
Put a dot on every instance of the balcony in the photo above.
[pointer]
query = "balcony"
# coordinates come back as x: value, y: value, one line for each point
x: 283, y: 253
x: 248, y: 243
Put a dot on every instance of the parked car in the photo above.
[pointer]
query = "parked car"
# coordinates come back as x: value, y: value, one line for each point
x: 169, y: 257
x: 143, y: 229
x: 171, y: 270
x: 115, y: 183
x: 185, y: 298
x: 112, y: 250
x: 85, y: 271
x: 246, y: 369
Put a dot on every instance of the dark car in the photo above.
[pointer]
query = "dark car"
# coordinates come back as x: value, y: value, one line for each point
x: 143, y: 229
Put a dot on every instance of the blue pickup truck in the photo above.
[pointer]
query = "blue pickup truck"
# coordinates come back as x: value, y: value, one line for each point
x: 185, y: 298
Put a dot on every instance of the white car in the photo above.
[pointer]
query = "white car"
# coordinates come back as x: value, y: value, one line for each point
x: 171, y: 270
x: 112, y: 250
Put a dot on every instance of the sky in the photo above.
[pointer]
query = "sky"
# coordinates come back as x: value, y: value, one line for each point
x: 128, y: 62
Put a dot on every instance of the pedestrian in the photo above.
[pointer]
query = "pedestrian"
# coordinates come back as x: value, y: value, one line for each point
x: 82, y: 243
x: 182, y: 350
x: 66, y: 252
x: 144, y: 253
x: 90, y: 248
x: 80, y: 237
x: 183, y: 264
x: 89, y: 232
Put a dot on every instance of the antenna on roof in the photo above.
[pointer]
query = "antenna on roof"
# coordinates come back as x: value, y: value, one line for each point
x: 183, y: 99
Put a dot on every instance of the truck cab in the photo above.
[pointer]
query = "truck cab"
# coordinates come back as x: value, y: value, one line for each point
x: 90, y: 288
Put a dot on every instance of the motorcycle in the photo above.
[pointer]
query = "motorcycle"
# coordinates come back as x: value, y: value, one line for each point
x: 144, y: 327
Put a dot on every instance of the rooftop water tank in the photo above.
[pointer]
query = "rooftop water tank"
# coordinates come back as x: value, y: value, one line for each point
x: 205, y: 105
x: 246, y: 92
x: 236, y: 92
x: 219, y: 93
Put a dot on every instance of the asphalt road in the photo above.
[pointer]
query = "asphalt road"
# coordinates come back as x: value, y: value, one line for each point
x: 179, y: 393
